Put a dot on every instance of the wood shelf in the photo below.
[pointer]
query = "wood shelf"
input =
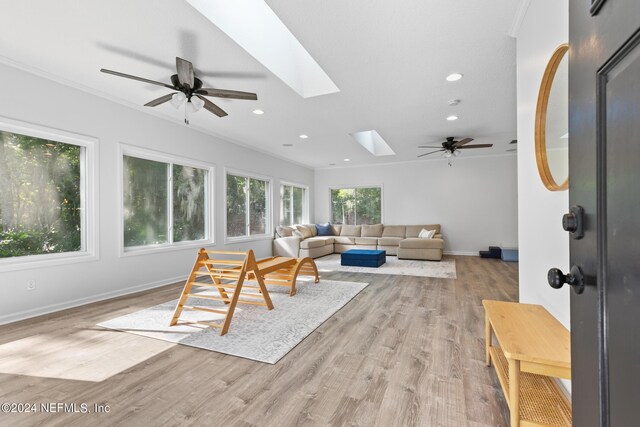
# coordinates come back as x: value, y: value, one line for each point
x: 542, y: 403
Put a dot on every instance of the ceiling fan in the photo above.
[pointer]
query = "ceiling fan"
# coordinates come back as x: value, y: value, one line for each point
x: 450, y: 147
x: 189, y: 91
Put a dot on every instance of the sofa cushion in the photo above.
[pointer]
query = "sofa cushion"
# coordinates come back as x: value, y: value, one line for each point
x: 312, y: 242
x: 284, y: 231
x: 345, y: 240
x: 328, y: 240
x: 418, y: 243
x: 394, y: 231
x: 305, y: 231
x: 372, y: 230
x: 351, y: 230
x: 312, y: 228
x: 336, y: 229
x: 367, y: 241
x: 389, y: 241
x: 414, y: 230
x: 324, y: 229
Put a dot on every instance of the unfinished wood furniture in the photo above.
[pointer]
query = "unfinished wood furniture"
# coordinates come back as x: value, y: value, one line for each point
x: 229, y: 272
x: 288, y: 275
x: 533, y: 346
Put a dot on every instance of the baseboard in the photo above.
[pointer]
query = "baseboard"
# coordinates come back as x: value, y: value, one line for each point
x: 463, y: 253
x: 48, y: 309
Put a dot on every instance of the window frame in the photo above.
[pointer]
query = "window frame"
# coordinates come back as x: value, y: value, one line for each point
x: 88, y: 200
x: 305, y: 207
x: 170, y: 160
x: 269, y: 220
x: 348, y: 187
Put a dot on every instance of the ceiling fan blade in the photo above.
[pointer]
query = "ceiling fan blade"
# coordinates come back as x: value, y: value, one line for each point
x: 231, y: 74
x: 475, y: 146
x: 140, y: 79
x: 462, y: 142
x: 231, y: 94
x: 426, y: 154
x: 212, y: 108
x: 185, y: 72
x: 159, y: 101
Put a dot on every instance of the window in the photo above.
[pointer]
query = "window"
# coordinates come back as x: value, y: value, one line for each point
x: 43, y: 194
x: 164, y: 203
x: 354, y: 206
x: 293, y: 205
x: 248, y: 206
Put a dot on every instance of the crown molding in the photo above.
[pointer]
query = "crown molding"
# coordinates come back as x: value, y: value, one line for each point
x: 406, y: 162
x: 518, y: 18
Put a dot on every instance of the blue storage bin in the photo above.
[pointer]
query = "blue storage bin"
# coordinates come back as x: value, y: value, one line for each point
x: 510, y: 254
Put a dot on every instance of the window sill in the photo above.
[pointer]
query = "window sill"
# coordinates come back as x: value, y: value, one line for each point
x: 155, y: 249
x: 45, y: 261
x: 244, y: 239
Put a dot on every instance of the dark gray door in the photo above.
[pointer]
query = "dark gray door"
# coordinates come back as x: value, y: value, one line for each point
x: 604, y: 152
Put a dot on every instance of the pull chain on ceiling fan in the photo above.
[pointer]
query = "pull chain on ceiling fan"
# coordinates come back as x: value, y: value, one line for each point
x: 450, y: 147
x: 189, y: 91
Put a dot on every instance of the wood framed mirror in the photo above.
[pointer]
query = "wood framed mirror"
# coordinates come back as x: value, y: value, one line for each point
x: 552, y: 122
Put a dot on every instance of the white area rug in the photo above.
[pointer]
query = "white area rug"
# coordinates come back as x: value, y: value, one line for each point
x: 255, y: 332
x: 445, y: 269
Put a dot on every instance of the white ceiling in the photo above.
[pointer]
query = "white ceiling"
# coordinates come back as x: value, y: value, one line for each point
x: 388, y: 58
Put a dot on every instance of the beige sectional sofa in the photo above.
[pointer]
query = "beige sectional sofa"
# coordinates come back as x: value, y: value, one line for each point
x: 401, y: 240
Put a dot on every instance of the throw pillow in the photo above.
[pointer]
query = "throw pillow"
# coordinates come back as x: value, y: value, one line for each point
x: 297, y: 234
x: 312, y: 229
x: 324, y: 229
x: 306, y: 233
x: 427, y: 234
x: 284, y: 231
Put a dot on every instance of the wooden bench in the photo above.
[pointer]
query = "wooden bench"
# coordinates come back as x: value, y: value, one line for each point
x: 533, y: 346
x: 229, y: 274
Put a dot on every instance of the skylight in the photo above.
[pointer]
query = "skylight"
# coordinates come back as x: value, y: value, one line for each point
x: 258, y: 30
x: 373, y: 142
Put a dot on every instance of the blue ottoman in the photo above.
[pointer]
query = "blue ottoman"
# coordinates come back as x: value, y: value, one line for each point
x: 363, y: 258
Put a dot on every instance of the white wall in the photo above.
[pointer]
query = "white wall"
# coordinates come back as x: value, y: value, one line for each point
x: 543, y: 242
x: 474, y: 200
x: 36, y: 100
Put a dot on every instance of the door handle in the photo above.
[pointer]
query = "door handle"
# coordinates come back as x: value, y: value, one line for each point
x: 574, y: 278
x: 573, y: 222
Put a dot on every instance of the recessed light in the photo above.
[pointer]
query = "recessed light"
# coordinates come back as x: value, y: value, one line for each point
x: 454, y: 77
x: 258, y: 112
x: 454, y: 102
x: 304, y: 136
x: 332, y: 164
x: 347, y: 160
x: 287, y: 145
x: 452, y: 118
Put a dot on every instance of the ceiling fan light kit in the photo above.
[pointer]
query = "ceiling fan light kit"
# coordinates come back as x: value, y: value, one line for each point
x: 189, y: 91
x: 450, y: 148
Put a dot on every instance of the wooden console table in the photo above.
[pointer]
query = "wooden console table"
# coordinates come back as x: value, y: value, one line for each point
x: 533, y: 346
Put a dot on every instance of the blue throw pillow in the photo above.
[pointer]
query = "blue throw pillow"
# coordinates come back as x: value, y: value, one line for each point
x: 324, y: 229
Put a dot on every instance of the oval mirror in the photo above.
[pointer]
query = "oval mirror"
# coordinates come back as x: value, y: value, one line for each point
x: 552, y: 122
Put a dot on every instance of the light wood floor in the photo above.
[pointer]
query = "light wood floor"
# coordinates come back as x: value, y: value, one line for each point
x: 407, y: 351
